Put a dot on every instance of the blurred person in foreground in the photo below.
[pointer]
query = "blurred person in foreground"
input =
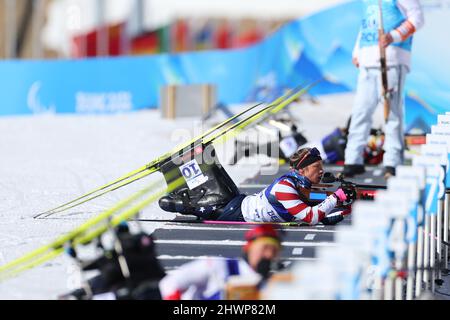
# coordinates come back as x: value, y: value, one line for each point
x: 129, y: 270
x: 284, y: 200
x: 401, y: 19
x: 207, y: 279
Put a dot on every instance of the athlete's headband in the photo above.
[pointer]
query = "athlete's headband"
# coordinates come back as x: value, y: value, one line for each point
x: 313, y: 155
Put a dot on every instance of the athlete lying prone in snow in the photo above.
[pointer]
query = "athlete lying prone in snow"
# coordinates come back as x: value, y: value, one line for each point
x: 284, y: 200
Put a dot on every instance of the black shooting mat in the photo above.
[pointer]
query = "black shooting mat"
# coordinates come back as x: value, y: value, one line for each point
x: 181, y: 241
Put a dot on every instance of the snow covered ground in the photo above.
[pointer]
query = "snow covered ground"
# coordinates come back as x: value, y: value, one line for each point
x: 47, y: 160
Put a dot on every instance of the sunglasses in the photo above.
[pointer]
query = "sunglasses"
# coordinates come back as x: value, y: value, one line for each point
x: 313, y: 152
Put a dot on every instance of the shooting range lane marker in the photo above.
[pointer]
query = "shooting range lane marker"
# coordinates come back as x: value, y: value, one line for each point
x: 297, y: 251
x: 377, y: 172
x: 310, y: 236
x: 242, y: 243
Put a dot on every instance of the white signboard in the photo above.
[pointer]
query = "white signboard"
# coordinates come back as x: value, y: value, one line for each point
x: 192, y: 174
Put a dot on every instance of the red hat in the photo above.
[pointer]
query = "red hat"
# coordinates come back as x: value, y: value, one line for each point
x: 262, y: 231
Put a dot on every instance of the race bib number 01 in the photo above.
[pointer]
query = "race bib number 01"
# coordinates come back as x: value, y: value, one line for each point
x: 192, y: 174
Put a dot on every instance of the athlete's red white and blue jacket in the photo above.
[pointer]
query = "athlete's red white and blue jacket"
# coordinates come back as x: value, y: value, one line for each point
x: 281, y: 201
x: 204, y: 279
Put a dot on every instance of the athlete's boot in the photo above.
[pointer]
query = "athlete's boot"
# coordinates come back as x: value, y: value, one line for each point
x: 198, y: 202
x: 206, y: 186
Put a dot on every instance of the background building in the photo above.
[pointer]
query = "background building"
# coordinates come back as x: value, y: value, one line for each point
x: 79, y: 28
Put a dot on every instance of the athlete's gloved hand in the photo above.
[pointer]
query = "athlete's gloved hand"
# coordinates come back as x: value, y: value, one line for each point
x: 340, y: 195
x: 350, y: 191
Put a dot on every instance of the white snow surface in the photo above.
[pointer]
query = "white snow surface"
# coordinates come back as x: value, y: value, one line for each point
x: 50, y: 159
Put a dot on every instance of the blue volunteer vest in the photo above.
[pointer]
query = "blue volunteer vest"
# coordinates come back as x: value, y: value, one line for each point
x: 392, y: 18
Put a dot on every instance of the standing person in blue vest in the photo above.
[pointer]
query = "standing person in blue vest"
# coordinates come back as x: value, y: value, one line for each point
x: 401, y: 19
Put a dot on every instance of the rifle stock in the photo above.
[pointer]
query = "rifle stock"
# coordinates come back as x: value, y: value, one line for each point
x: 319, y: 192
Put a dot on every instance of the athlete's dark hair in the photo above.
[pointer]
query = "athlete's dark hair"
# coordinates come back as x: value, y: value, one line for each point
x: 304, y: 157
x: 297, y: 156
